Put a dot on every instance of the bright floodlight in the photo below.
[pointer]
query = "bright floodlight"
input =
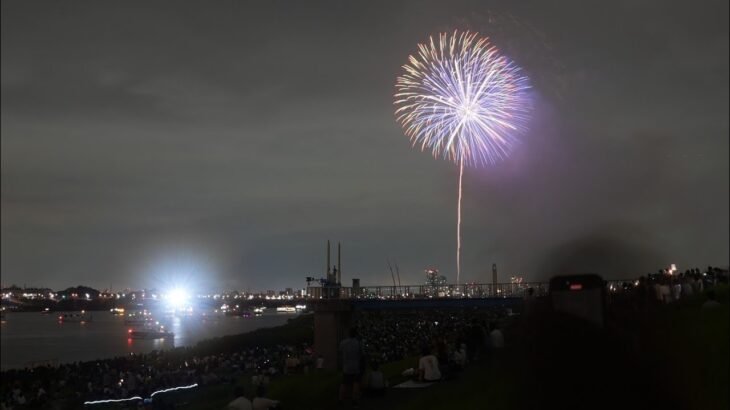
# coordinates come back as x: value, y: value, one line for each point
x: 177, y: 297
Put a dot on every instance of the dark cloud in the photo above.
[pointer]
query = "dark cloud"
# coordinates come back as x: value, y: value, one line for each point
x: 226, y: 142
x: 607, y: 253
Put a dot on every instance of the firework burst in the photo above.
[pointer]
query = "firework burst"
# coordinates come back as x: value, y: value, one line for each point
x: 465, y: 102
x: 462, y: 100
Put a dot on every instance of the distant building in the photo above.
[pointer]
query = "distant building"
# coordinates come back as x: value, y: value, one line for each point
x: 435, y: 283
x: 13, y: 291
x: 79, y: 292
x: 433, y: 278
x: 17, y: 292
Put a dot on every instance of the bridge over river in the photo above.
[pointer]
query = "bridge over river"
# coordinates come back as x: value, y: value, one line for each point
x: 415, y: 292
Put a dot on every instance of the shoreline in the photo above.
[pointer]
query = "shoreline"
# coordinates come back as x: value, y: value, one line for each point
x: 292, y: 329
x: 97, y: 305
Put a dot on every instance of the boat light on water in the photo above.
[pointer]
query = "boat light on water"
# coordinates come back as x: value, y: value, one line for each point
x: 150, y: 333
x: 81, y: 317
x: 286, y: 309
x: 139, y: 318
x: 300, y: 307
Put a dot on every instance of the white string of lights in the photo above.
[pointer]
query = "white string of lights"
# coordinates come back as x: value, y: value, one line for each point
x: 174, y: 389
x: 140, y: 398
x: 113, y: 400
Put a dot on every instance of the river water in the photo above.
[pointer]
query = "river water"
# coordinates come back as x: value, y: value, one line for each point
x: 30, y: 337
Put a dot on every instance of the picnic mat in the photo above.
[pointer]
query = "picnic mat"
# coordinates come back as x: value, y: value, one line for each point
x: 410, y: 384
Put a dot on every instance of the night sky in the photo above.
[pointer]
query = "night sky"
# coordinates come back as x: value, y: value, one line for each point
x: 219, y: 144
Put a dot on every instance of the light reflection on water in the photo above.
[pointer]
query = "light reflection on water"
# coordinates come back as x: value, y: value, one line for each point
x: 32, y: 337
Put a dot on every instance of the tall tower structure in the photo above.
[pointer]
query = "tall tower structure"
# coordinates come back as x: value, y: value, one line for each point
x: 495, y: 279
x: 331, y: 286
x: 339, y: 265
x: 327, y: 266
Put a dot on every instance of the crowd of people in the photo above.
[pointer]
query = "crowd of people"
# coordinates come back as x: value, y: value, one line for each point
x: 390, y: 336
x: 669, y: 285
x: 69, y: 385
x: 443, y: 340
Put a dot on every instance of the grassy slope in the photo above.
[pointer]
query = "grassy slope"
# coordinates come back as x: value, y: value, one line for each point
x: 296, y: 391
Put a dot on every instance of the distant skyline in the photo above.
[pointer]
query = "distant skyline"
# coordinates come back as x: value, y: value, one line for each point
x: 219, y: 145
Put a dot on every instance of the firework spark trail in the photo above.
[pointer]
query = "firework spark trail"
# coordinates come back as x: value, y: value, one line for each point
x: 464, y: 101
x: 458, y: 225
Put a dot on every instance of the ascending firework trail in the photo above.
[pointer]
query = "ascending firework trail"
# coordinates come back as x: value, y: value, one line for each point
x: 465, y: 102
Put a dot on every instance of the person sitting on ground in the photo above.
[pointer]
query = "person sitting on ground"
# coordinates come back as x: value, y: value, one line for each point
x: 497, y: 337
x: 460, y: 356
x: 291, y: 363
x: 428, y: 367
x: 711, y: 302
x: 319, y: 364
x: 376, y: 383
x: 240, y: 402
x: 260, y: 402
x: 18, y: 396
x: 444, y: 359
x: 259, y: 379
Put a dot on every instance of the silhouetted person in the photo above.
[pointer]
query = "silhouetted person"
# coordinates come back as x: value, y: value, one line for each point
x: 475, y: 340
x: 376, y: 381
x: 351, y: 367
x: 711, y: 302
x: 642, y: 294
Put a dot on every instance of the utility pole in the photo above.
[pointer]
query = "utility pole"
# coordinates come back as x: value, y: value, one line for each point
x: 339, y: 266
x: 328, y: 260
